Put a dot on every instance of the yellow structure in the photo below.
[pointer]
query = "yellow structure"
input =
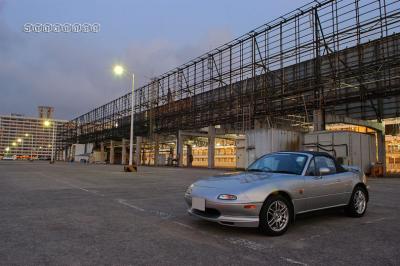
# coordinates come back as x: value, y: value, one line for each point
x: 392, y: 154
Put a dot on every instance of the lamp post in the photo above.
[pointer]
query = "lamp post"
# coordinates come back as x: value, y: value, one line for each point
x: 119, y: 71
x: 31, y: 135
x: 19, y: 140
x: 47, y: 124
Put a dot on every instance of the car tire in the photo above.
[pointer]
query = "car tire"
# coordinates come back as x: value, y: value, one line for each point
x: 275, y: 216
x: 358, y: 202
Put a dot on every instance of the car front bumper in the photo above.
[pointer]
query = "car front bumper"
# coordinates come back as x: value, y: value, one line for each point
x: 230, y: 214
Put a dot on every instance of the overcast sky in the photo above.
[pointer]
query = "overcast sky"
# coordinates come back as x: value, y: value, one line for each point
x: 72, y: 71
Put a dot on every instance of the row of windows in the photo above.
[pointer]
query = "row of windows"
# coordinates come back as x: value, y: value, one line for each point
x: 226, y: 160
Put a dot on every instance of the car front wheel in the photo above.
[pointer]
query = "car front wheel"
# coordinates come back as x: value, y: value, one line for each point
x: 275, y: 216
x: 358, y: 203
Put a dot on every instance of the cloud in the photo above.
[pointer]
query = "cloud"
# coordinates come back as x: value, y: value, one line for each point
x: 73, y: 74
x: 151, y: 59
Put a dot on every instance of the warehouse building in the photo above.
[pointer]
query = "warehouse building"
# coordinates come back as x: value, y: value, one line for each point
x: 323, y: 77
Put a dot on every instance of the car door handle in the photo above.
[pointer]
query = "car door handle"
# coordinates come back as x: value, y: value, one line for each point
x: 338, y: 180
x: 317, y: 177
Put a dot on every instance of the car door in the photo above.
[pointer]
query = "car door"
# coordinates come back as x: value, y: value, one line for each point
x: 323, y: 189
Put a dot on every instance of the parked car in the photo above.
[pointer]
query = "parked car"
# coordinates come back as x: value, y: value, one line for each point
x: 276, y: 188
x: 10, y: 158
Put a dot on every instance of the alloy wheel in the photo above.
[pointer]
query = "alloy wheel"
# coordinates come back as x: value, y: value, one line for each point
x: 277, y: 216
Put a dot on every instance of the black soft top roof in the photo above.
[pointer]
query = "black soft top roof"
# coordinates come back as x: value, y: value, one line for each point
x: 317, y: 153
x: 339, y: 168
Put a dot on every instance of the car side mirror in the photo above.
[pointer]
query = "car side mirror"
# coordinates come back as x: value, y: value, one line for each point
x: 324, y: 171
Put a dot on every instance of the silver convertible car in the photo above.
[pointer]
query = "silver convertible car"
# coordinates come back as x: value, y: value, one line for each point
x: 277, y: 187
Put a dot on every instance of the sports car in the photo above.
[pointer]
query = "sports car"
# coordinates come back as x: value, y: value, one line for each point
x: 276, y: 188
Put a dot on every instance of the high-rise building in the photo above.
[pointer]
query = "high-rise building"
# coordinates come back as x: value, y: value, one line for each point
x: 46, y: 112
x: 30, y: 137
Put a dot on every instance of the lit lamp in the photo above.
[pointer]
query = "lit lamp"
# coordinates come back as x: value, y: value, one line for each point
x: 119, y: 70
x: 7, y: 149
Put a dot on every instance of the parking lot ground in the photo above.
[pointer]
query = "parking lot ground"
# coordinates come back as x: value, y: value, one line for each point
x: 77, y: 214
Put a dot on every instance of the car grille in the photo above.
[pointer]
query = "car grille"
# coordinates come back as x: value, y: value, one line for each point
x: 209, y: 213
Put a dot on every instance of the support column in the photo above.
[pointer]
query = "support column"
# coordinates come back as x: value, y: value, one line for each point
x: 156, y: 149
x: 211, y: 147
x: 138, y: 150
x: 179, y: 149
x: 123, y: 159
x: 67, y: 152
x: 319, y: 120
x: 112, y: 152
x: 381, y: 149
x: 102, y: 159
x: 189, y: 156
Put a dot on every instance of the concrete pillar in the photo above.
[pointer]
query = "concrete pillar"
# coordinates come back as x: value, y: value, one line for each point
x: 156, y: 149
x: 102, y: 159
x: 138, y: 150
x: 67, y: 153
x: 179, y: 149
x: 189, y: 156
x: 112, y: 152
x: 381, y: 149
x: 123, y: 159
x: 318, y: 120
x: 211, y: 147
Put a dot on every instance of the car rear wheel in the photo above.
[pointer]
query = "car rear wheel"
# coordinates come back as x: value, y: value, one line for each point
x: 358, y: 203
x: 275, y: 216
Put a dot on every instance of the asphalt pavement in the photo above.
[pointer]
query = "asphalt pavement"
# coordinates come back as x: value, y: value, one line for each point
x: 76, y: 214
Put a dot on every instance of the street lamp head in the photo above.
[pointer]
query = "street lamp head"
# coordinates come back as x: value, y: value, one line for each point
x: 7, y: 149
x: 118, y: 70
x: 14, y: 144
x: 19, y: 140
x: 26, y: 135
x: 46, y: 123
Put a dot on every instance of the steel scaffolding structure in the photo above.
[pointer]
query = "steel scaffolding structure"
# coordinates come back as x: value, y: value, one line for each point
x: 336, y: 56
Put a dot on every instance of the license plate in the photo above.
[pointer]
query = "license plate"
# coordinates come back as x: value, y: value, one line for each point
x: 199, y: 204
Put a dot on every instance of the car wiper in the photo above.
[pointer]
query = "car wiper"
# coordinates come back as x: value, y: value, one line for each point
x: 255, y: 170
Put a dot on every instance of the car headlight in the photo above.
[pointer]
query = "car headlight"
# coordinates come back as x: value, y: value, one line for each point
x: 227, y: 197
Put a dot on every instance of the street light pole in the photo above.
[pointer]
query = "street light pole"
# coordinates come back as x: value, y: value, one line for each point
x: 47, y: 124
x: 30, y: 135
x: 119, y: 71
x: 32, y: 147
x: 132, y: 121
x: 52, y: 142
x: 20, y: 140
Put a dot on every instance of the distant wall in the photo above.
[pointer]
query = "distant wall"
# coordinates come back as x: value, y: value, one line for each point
x: 262, y: 141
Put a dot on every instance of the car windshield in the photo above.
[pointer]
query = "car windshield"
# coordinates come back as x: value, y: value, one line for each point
x: 287, y: 163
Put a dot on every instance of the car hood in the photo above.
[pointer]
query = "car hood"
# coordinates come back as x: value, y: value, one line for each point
x: 236, y: 180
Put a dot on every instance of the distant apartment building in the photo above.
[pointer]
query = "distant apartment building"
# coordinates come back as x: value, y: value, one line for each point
x: 30, y: 137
